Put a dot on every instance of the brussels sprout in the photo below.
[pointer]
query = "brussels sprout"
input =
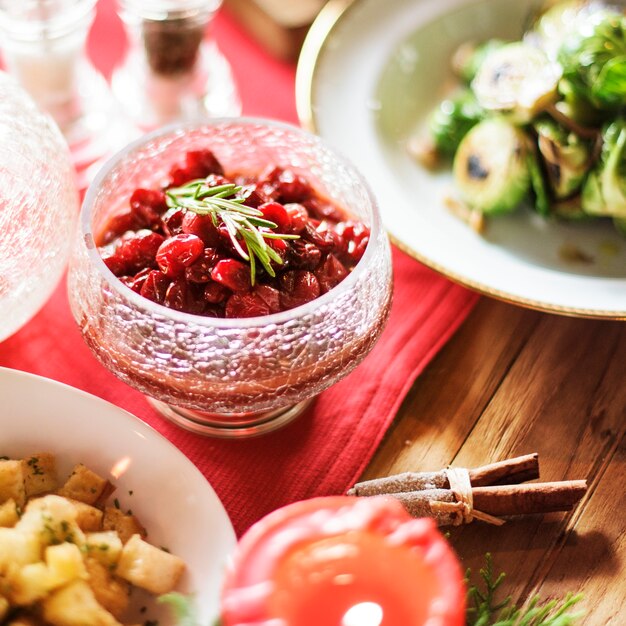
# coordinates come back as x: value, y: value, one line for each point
x: 517, y: 78
x: 538, y: 185
x: 452, y: 120
x: 469, y: 57
x: 563, y: 20
x: 604, y: 192
x: 595, y: 63
x: 491, y: 166
x: 576, y: 106
x: 566, y: 156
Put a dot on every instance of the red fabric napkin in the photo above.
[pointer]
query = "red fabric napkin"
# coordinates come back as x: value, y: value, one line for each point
x: 325, y: 450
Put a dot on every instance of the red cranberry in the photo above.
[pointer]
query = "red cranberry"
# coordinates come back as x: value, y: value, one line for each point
x: 232, y: 274
x: 303, y: 255
x: 180, y: 296
x: 137, y: 281
x: 246, y: 305
x: 178, y: 252
x: 202, y: 163
x: 139, y: 251
x: 155, y: 286
x: 322, y: 209
x: 200, y: 270
x: 147, y: 205
x: 255, y: 195
x: 202, y: 226
x: 172, y: 222
x: 299, y: 217
x: 198, y: 164
x: 330, y: 273
x: 270, y: 296
x: 355, y: 236
x: 298, y: 287
x: 290, y: 186
x: 323, y: 239
x: 117, y: 226
x: 276, y: 212
x: 214, y: 293
x: 116, y: 264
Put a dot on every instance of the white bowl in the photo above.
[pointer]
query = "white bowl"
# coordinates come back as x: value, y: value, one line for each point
x: 170, y: 496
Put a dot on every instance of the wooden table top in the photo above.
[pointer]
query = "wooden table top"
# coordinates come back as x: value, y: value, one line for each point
x: 514, y: 381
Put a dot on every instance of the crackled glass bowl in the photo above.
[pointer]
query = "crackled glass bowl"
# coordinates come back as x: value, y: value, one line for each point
x: 239, y: 376
x: 38, y: 206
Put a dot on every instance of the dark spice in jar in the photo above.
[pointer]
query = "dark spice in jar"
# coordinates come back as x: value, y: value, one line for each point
x: 172, y: 44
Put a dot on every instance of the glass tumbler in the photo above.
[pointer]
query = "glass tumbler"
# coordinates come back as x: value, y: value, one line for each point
x: 38, y: 206
x: 230, y: 377
x: 43, y: 45
x: 173, y: 71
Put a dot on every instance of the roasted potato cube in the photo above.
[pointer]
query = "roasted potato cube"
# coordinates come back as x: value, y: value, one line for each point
x: 18, y: 548
x: 40, y: 474
x: 76, y: 605
x: 53, y: 519
x: 9, y: 513
x: 149, y: 567
x: 88, y: 518
x: 105, y: 547
x: 12, y: 482
x: 4, y: 607
x: 112, y: 593
x: 84, y: 485
x: 65, y: 564
x: 123, y: 524
x: 28, y: 583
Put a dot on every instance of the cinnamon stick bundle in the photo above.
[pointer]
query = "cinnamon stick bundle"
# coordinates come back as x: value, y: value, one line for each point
x: 486, y: 492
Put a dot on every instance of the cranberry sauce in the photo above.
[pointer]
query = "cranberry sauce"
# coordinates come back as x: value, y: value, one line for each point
x: 188, y: 261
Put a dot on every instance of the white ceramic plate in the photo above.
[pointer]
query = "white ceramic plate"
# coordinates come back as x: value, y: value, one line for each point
x: 369, y: 74
x: 170, y: 496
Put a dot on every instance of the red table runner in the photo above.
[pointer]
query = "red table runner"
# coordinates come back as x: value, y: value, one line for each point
x: 325, y: 450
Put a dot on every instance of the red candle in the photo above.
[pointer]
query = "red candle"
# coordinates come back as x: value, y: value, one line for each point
x: 344, y: 561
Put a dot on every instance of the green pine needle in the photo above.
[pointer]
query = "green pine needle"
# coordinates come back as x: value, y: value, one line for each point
x: 182, y: 607
x: 225, y: 204
x: 483, y: 609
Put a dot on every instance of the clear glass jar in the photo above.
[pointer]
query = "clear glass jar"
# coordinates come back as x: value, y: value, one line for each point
x: 232, y: 377
x: 38, y: 206
x: 173, y: 71
x: 43, y: 44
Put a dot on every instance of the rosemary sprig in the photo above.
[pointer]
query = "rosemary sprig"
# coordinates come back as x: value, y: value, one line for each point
x: 484, y: 610
x: 226, y: 204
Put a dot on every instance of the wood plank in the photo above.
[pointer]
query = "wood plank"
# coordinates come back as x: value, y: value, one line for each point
x: 564, y: 397
x: 448, y: 398
x: 597, y: 541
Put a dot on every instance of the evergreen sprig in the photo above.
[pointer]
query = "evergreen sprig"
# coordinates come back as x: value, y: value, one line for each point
x: 483, y: 608
x: 226, y: 204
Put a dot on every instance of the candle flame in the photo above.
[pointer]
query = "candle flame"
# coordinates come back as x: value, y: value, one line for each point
x: 120, y: 467
x: 363, y: 614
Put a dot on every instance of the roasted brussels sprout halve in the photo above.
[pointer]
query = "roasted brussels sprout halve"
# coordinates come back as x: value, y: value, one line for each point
x: 452, y: 120
x: 517, y: 79
x: 604, y: 192
x: 469, y: 56
x: 595, y: 64
x: 565, y: 155
x: 491, y: 166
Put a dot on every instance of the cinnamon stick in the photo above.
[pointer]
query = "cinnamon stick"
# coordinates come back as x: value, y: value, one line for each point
x: 509, y: 471
x: 529, y: 499
x: 499, y: 500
